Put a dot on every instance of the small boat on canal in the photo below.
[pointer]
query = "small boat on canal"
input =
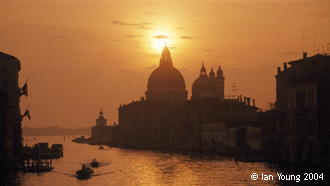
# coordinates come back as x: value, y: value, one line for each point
x: 95, y: 163
x: 84, y: 173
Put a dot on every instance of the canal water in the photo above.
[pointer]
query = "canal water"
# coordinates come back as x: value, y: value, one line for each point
x: 146, y: 167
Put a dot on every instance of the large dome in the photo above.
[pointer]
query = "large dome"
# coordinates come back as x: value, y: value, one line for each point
x: 166, y: 76
x: 166, y: 83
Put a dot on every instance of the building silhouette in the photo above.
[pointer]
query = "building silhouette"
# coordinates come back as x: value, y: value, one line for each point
x: 10, y: 120
x: 209, y: 86
x: 302, y: 96
x: 101, y: 133
x: 296, y: 130
x: 166, y: 119
x: 166, y: 83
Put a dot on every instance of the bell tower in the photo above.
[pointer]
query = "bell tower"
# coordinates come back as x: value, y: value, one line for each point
x: 220, y: 84
x: 101, y: 121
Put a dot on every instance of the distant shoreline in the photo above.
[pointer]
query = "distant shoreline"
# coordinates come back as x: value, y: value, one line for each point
x: 55, y: 131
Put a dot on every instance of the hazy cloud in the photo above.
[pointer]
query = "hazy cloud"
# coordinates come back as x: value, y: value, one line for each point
x: 179, y: 27
x: 172, y: 47
x: 208, y: 50
x: 160, y: 37
x: 118, y: 23
x: 143, y: 25
x: 186, y: 37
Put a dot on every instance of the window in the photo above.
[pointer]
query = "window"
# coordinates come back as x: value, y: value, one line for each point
x: 4, y: 83
x: 4, y: 70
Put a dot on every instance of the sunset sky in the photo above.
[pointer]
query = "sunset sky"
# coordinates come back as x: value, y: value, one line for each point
x: 81, y: 56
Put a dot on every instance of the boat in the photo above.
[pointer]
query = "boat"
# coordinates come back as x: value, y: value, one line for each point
x: 57, y: 150
x: 95, y: 163
x: 81, y: 139
x: 38, y: 168
x: 84, y: 173
x: 101, y: 147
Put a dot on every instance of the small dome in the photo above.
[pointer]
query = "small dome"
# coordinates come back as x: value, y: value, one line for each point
x: 212, y: 74
x: 219, y: 71
x: 203, y: 84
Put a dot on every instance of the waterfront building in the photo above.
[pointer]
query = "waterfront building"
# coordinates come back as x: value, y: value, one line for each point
x: 10, y: 93
x: 254, y: 138
x: 186, y: 121
x: 231, y: 141
x: 101, y: 133
x: 302, y: 93
x: 6, y: 132
x: 167, y: 119
x: 143, y: 124
x: 214, y: 136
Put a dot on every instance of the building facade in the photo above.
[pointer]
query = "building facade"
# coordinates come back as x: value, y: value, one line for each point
x: 11, y: 137
x: 302, y: 92
x: 101, y: 133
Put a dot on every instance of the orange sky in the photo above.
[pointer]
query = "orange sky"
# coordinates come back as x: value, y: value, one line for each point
x: 81, y: 56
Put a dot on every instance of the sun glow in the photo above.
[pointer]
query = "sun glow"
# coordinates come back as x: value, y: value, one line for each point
x: 158, y: 40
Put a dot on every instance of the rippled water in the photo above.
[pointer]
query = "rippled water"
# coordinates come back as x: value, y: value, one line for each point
x: 142, y: 167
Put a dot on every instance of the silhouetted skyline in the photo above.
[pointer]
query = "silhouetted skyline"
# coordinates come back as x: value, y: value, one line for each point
x: 83, y: 56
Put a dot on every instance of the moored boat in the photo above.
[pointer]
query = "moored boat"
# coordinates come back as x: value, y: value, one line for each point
x: 38, y: 168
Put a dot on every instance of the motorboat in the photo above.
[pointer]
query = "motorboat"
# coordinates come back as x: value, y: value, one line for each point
x: 95, y: 163
x: 84, y: 173
x: 101, y: 147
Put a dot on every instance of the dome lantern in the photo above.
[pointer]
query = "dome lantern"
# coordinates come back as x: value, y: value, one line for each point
x: 212, y: 74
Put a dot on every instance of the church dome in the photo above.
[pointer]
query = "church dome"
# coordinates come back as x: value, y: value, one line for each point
x: 203, y: 84
x: 167, y: 76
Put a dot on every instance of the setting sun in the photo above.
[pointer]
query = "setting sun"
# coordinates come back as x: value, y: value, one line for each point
x: 159, y: 39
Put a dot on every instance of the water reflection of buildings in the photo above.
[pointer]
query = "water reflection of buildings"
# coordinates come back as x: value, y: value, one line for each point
x: 297, y: 131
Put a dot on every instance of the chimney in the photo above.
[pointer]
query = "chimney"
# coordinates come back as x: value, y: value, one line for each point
x: 244, y: 99
x: 278, y: 70
x: 285, y: 66
x: 248, y: 101
x: 304, y: 55
x: 254, y: 102
x: 240, y: 98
